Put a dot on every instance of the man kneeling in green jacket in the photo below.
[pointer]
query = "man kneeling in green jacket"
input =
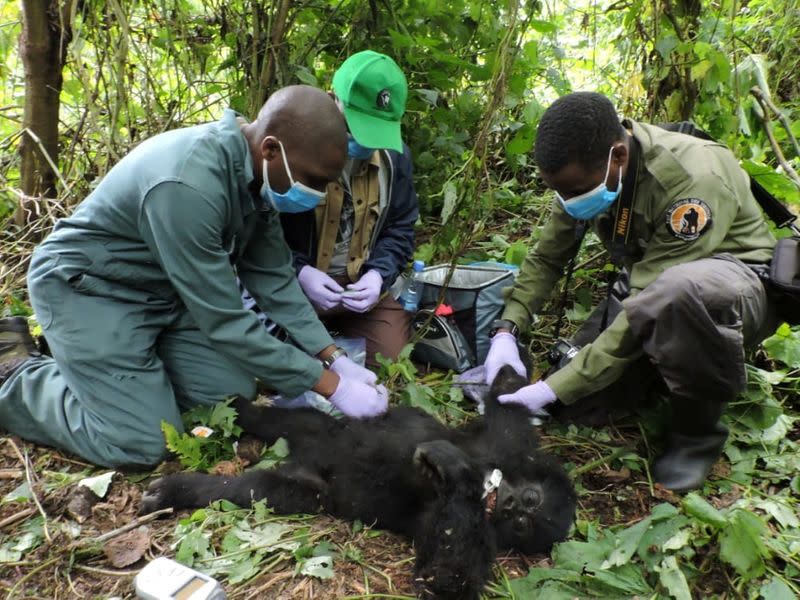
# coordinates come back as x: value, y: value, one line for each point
x: 137, y: 296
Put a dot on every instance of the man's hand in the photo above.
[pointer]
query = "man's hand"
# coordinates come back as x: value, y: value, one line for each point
x: 344, y: 367
x: 357, y: 399
x: 364, y: 293
x: 503, y: 351
x: 323, y: 291
x: 533, y: 397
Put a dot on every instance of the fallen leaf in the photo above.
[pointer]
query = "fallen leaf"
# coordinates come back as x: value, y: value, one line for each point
x: 98, y: 484
x: 127, y: 548
x: 227, y: 468
x: 80, y: 504
x: 617, y: 476
x: 662, y: 493
x: 720, y: 470
x: 249, y: 449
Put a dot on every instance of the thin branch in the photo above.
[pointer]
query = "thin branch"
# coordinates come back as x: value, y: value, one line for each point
x: 764, y: 99
x: 20, y: 516
x: 127, y: 527
x: 765, y: 120
x: 29, y: 475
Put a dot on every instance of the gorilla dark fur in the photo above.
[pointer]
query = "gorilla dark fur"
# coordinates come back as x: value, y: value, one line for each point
x: 406, y: 472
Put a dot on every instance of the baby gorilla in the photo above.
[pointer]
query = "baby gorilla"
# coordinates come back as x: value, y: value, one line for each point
x: 406, y: 472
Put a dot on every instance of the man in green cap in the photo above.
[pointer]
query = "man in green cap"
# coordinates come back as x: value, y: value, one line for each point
x: 351, y: 248
x: 677, y: 213
x: 136, y: 291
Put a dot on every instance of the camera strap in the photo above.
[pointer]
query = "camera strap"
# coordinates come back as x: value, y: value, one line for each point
x: 622, y: 221
x: 624, y: 214
x: 619, y: 237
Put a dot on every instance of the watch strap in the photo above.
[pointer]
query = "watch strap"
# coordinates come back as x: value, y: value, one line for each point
x: 338, y: 353
x: 504, y: 324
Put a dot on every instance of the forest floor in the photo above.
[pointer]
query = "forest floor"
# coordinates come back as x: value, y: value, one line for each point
x: 738, y: 537
x: 74, y: 544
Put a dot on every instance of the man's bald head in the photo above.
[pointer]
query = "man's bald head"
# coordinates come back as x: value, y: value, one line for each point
x: 302, y: 117
x: 311, y: 130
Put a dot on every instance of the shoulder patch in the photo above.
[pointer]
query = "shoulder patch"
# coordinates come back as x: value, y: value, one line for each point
x: 688, y: 219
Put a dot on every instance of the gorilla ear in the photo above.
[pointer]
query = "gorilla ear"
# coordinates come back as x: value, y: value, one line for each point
x: 507, y: 381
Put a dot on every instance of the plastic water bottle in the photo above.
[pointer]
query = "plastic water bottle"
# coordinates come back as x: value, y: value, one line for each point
x: 412, y: 290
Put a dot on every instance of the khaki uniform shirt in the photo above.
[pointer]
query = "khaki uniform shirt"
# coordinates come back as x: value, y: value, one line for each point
x: 692, y: 201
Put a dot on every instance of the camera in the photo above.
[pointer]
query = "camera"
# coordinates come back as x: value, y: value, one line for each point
x: 562, y: 352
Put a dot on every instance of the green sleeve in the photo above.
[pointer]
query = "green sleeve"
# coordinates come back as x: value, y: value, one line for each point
x: 267, y: 273
x: 599, y: 364
x: 184, y: 231
x: 664, y: 249
x: 542, y: 268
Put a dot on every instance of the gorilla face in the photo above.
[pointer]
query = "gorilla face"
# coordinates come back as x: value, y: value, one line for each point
x: 533, y: 512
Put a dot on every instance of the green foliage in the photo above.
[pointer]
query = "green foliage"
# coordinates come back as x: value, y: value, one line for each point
x: 433, y: 393
x: 201, y: 453
x: 784, y: 346
x: 28, y: 538
x: 274, y: 454
x: 753, y: 536
x: 654, y: 556
x: 235, y: 544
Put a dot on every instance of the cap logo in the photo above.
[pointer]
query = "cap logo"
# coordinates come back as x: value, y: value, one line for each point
x: 383, y: 99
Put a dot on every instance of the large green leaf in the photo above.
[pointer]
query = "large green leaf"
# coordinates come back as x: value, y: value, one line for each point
x: 742, y: 545
x: 776, y: 589
x: 785, y: 346
x: 697, y: 507
x: 522, y: 142
x: 672, y: 578
x: 777, y: 184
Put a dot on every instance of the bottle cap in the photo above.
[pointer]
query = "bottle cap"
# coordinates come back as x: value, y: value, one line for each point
x: 419, y: 265
x: 444, y: 310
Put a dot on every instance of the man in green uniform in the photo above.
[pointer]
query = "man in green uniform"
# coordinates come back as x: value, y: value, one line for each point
x: 695, y: 302
x: 136, y: 292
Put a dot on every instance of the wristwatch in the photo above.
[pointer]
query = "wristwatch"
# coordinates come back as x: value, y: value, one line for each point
x: 503, y: 324
x: 338, y: 353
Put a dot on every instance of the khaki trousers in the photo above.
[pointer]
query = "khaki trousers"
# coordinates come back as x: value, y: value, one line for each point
x: 386, y: 326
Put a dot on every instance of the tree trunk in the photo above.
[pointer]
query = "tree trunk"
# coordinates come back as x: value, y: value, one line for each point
x: 46, y: 32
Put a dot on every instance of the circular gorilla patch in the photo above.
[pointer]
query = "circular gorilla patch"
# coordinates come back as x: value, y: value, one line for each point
x: 687, y: 219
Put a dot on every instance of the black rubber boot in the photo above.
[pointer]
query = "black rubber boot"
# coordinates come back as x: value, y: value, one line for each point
x: 688, y: 458
x: 694, y: 444
x: 16, y: 345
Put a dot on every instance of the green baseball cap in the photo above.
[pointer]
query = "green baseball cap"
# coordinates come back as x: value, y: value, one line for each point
x: 373, y: 92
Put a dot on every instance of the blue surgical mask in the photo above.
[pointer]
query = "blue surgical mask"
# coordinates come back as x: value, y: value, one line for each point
x: 298, y: 198
x: 594, y: 202
x: 356, y: 150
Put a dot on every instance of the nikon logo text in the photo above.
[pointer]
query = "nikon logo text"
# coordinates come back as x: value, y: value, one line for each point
x: 622, y: 222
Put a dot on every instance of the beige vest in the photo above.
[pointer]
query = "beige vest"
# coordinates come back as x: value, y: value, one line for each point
x: 365, y: 188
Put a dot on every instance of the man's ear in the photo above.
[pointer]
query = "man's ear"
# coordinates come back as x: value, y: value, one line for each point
x: 620, y: 155
x: 270, y: 148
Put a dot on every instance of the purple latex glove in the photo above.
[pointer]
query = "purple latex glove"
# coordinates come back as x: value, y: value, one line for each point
x: 503, y: 351
x: 364, y: 293
x: 357, y: 399
x: 323, y: 291
x: 344, y: 367
x: 533, y: 397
